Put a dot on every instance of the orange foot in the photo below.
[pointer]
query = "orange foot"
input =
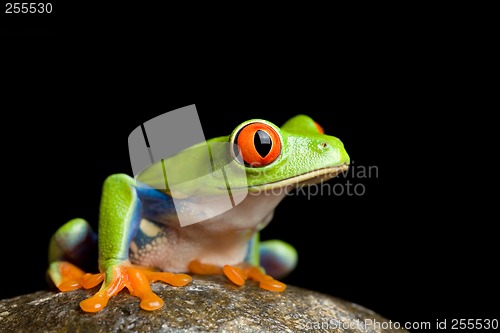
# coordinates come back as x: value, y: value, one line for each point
x: 135, y: 278
x: 238, y: 275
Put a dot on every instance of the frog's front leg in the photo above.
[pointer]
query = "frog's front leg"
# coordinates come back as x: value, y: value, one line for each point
x: 238, y: 274
x: 119, y: 217
x: 275, y: 257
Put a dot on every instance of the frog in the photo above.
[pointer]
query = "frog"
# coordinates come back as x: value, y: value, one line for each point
x: 139, y: 239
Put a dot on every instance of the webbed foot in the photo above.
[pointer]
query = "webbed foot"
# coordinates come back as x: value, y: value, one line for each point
x: 136, y: 279
x: 239, y: 274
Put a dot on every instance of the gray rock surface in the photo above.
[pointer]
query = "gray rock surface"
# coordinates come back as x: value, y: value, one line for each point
x: 207, y: 304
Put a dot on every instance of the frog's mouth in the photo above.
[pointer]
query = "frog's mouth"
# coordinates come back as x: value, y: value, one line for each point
x: 308, y: 178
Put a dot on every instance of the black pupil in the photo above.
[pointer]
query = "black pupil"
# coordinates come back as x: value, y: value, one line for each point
x: 262, y: 142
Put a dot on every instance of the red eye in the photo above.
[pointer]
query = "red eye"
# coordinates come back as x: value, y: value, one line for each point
x: 259, y: 143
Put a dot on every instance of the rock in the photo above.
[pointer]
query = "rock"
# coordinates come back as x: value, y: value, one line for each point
x: 207, y: 304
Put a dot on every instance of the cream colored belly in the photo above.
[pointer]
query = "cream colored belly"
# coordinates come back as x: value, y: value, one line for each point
x: 173, y: 250
x: 221, y: 240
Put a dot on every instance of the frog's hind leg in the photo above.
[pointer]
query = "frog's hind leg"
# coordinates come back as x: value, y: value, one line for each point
x: 72, y: 248
x: 278, y: 258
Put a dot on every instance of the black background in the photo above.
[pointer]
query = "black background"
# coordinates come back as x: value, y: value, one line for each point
x: 419, y: 245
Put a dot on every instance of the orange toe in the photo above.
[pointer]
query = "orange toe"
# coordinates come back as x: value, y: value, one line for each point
x: 273, y: 285
x: 71, y: 276
x: 139, y: 285
x: 266, y: 282
x: 95, y: 303
x: 69, y: 285
x: 179, y: 280
x: 235, y: 274
x: 92, y: 280
x: 151, y: 303
x: 176, y: 280
x: 100, y: 299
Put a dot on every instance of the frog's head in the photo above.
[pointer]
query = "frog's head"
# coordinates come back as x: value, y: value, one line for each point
x: 257, y: 155
x: 297, y: 153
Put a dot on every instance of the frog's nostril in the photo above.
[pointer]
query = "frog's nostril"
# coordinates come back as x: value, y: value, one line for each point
x: 323, y: 144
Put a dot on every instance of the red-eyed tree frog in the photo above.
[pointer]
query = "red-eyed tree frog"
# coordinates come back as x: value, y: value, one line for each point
x: 140, y: 239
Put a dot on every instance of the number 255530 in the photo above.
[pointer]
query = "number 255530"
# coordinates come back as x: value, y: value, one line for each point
x: 28, y: 8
